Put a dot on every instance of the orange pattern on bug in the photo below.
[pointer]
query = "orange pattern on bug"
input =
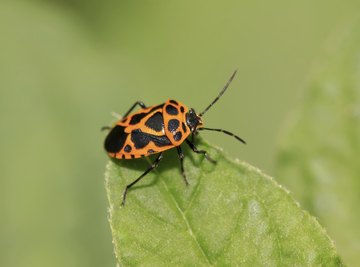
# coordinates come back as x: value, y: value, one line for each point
x: 132, y: 123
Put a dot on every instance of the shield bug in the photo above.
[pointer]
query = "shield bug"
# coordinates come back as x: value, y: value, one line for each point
x: 155, y: 129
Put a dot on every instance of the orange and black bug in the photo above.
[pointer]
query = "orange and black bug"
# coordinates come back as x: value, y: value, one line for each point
x: 155, y: 129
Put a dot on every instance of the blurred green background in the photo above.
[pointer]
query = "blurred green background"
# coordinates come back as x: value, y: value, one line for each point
x: 65, y: 65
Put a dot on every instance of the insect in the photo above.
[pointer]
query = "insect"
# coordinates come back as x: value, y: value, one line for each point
x: 155, y: 129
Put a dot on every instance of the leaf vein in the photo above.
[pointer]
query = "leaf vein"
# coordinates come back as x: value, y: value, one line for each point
x: 231, y: 237
x: 194, y: 194
x: 153, y: 215
x: 190, y: 230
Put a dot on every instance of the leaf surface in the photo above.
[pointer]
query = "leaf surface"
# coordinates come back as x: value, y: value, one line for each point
x: 230, y: 214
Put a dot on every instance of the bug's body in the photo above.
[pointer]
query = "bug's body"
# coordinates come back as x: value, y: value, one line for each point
x: 148, y: 131
x: 155, y: 129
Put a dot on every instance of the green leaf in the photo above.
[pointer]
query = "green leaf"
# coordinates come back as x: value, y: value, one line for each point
x: 319, y: 157
x: 230, y: 214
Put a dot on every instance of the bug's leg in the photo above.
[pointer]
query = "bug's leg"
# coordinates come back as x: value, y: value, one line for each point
x: 140, y: 103
x: 181, y: 157
x: 153, y: 166
x: 193, y: 147
x: 116, y: 115
x: 105, y: 128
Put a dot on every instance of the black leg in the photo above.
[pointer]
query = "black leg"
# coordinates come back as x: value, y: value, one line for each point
x: 140, y: 103
x: 181, y: 157
x: 105, y: 128
x: 153, y: 166
x: 193, y: 147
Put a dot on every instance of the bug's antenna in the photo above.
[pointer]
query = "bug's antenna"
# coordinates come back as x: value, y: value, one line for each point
x: 220, y: 94
x: 223, y: 131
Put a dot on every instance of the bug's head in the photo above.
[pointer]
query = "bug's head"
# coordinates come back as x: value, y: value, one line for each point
x: 193, y: 120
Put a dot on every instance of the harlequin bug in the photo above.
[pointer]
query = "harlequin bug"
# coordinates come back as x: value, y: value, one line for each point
x: 155, y: 129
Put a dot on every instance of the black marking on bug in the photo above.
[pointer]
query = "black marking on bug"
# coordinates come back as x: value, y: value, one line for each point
x: 171, y: 110
x: 127, y: 148
x: 132, y: 156
x: 141, y: 139
x: 150, y: 151
x: 115, y: 139
x: 138, y: 117
x: 178, y: 136
x: 174, y: 102
x: 156, y: 107
x: 123, y: 156
x: 173, y: 125
x: 182, y: 109
x: 184, y: 127
x: 155, y: 122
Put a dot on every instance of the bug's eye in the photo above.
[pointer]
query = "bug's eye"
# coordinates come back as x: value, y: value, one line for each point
x: 193, y: 113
